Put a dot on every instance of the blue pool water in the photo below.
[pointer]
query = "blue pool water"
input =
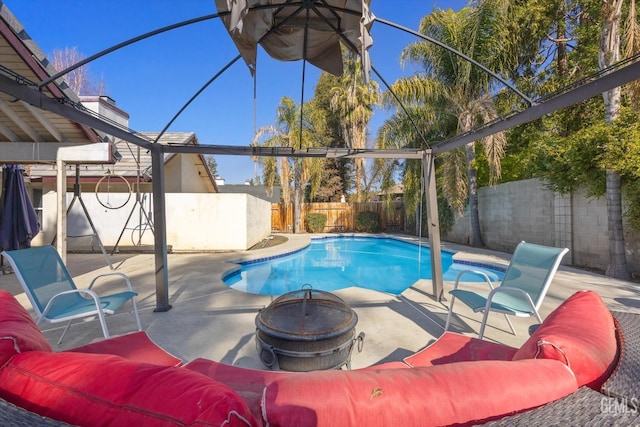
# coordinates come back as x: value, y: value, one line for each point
x: 328, y: 264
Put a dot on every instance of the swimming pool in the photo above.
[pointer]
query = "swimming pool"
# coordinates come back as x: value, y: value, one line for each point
x: 328, y: 264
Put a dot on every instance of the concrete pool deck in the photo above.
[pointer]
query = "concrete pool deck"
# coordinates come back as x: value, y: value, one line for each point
x: 212, y: 321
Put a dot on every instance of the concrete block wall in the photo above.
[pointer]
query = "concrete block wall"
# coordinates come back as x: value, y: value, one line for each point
x: 564, y: 224
x: 591, y: 240
x: 526, y: 210
x: 510, y: 213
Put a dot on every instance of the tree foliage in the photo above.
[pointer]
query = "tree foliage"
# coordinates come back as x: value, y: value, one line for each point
x: 212, y: 165
x: 353, y: 100
x: 80, y: 79
x: 457, y: 96
x: 583, y: 146
x: 330, y: 188
x: 297, y: 128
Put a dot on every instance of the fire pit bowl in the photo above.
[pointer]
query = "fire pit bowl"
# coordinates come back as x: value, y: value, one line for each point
x: 307, y: 330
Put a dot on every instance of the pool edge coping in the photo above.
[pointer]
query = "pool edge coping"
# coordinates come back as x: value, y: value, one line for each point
x: 239, y: 263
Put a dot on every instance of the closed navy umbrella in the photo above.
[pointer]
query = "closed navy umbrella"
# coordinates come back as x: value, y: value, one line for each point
x: 18, y: 220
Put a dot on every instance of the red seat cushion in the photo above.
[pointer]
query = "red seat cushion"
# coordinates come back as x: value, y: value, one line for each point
x: 100, y: 390
x: 456, y: 393
x: 135, y: 346
x: 248, y: 383
x: 452, y: 347
x: 581, y: 334
x: 18, y: 331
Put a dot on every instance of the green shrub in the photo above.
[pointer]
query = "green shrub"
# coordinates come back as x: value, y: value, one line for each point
x: 315, y: 222
x: 446, y: 215
x: 446, y: 218
x: 367, y: 221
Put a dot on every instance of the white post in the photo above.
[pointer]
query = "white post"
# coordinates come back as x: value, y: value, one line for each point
x: 90, y: 153
x: 61, y: 217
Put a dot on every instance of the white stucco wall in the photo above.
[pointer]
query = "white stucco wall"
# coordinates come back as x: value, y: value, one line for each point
x: 182, y: 175
x: 195, y: 222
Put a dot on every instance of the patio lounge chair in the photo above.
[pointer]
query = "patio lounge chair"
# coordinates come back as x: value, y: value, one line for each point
x: 53, y: 294
x: 522, y: 289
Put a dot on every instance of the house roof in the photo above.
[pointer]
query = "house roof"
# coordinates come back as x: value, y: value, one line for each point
x: 259, y: 191
x: 397, y: 189
x: 22, y: 123
x: 134, y: 159
x: 19, y: 121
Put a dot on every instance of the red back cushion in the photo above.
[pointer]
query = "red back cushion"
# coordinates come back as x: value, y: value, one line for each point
x: 18, y: 331
x: 97, y: 390
x: 431, y: 396
x: 581, y: 334
x: 248, y: 383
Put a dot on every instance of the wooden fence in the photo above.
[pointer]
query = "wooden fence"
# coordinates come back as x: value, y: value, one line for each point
x: 340, y: 216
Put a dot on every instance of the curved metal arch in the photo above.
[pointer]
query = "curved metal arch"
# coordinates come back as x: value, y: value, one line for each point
x: 129, y: 42
x: 142, y: 37
x: 460, y: 54
x: 195, y: 95
x: 353, y: 48
x: 300, y: 4
x: 161, y: 271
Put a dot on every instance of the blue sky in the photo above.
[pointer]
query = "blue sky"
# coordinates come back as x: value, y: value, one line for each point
x: 152, y: 79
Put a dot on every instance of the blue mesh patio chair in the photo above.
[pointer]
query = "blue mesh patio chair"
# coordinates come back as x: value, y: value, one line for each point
x: 523, y: 287
x: 53, y: 294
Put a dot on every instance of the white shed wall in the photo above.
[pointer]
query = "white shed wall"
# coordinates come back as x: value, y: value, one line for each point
x: 195, y: 221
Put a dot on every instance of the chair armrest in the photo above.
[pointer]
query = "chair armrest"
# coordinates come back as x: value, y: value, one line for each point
x: 114, y: 273
x: 478, y: 272
x: 90, y: 293
x: 510, y: 290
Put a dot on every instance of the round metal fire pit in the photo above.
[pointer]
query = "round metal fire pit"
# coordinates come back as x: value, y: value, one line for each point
x: 307, y: 330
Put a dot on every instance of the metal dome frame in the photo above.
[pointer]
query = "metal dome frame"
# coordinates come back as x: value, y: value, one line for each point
x: 31, y: 93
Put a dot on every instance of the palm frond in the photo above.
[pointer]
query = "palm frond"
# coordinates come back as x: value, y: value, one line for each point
x: 454, y: 182
x: 631, y: 32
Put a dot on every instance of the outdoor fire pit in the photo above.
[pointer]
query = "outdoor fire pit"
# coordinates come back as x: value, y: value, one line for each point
x: 307, y: 330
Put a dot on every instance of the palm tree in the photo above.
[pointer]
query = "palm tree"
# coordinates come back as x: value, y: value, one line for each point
x: 599, y: 30
x: 294, y: 174
x: 609, y: 54
x: 407, y: 131
x: 354, y: 101
x: 452, y: 86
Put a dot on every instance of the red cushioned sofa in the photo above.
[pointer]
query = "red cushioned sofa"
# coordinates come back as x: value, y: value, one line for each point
x: 456, y: 380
